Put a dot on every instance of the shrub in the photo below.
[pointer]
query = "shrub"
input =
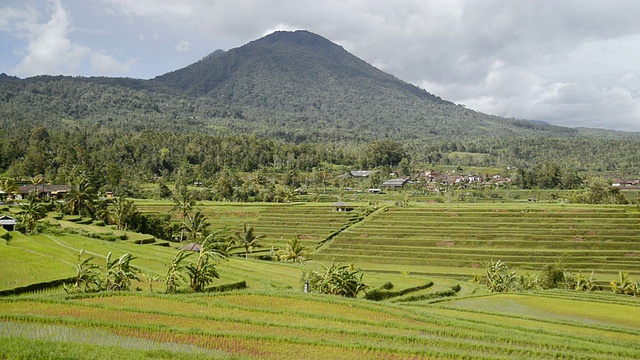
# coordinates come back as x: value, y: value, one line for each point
x: 552, y: 276
x: 383, y: 294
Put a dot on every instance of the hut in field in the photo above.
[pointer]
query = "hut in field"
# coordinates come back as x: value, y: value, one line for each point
x: 8, y: 223
x: 191, y: 247
x: 342, y: 206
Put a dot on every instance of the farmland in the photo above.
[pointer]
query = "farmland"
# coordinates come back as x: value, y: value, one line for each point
x: 442, y: 237
x: 429, y: 252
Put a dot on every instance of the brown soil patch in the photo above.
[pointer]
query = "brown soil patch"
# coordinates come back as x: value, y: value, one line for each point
x: 446, y: 243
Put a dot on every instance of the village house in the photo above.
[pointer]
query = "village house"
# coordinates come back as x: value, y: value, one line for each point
x: 48, y: 191
x: 398, y: 183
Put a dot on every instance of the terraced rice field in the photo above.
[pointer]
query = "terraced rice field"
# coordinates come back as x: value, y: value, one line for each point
x: 311, y: 223
x: 277, y: 326
x: 527, y: 237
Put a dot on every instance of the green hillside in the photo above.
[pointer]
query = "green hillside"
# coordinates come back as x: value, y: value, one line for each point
x: 299, y: 87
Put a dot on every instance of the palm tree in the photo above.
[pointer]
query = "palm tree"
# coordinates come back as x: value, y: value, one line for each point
x: 295, y: 251
x: 218, y: 246
x: 247, y: 239
x: 32, y: 212
x: 195, y: 226
x: 183, y: 203
x: 123, y: 211
x: 81, y: 197
x: 120, y: 272
x: 175, y: 274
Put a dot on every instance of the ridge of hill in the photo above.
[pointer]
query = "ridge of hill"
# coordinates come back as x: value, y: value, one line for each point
x: 291, y: 86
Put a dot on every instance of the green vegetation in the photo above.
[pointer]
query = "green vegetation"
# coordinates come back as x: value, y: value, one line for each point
x: 482, y: 258
x: 395, y: 315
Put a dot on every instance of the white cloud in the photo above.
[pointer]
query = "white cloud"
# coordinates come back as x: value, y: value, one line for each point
x: 182, y: 46
x: 506, y: 57
x: 49, y: 48
x: 105, y: 64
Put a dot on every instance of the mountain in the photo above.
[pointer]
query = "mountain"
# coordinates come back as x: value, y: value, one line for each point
x: 302, y: 79
x: 293, y: 86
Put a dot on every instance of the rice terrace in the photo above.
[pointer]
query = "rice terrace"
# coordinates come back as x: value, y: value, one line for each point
x: 419, y: 262
x: 286, y: 200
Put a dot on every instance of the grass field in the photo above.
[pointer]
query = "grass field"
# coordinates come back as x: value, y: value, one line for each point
x: 425, y: 249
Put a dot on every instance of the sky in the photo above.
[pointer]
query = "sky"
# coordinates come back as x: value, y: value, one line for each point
x: 570, y: 63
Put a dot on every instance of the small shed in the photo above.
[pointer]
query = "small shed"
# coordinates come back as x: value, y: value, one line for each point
x: 191, y: 247
x: 8, y: 223
x: 395, y: 183
x: 342, y: 206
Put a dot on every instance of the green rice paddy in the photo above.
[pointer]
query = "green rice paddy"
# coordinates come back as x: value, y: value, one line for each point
x: 274, y: 319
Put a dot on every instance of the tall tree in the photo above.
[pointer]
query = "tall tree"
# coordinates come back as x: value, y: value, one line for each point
x: 183, y: 201
x: 81, y: 197
x: 196, y: 226
x: 32, y: 212
x: 123, y: 211
x: 247, y: 239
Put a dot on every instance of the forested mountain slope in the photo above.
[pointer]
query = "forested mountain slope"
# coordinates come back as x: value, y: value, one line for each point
x: 299, y: 87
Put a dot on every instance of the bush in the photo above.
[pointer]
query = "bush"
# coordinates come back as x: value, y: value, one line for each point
x: 227, y: 287
x: 382, y: 294
x: 4, y: 234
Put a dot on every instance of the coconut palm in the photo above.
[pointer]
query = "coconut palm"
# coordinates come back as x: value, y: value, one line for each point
x: 295, y: 251
x: 195, y: 227
x: 32, y: 212
x: 247, y: 239
x: 81, y: 197
x: 122, y: 212
x: 218, y: 245
x: 183, y: 203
